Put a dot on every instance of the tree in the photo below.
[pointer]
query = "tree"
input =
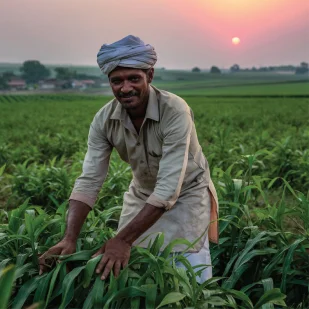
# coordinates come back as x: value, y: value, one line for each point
x: 5, y: 78
x: 7, y: 75
x: 303, y: 68
x: 3, y: 83
x: 33, y: 71
x: 65, y: 73
x: 263, y: 69
x: 215, y: 70
x: 235, y: 68
x: 196, y: 70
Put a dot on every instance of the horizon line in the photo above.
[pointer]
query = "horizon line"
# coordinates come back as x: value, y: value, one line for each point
x: 155, y: 67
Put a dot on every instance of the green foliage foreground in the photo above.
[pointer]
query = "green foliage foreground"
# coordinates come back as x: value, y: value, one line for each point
x: 258, y: 154
x: 258, y: 261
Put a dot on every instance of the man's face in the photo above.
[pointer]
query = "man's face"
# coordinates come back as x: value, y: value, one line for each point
x: 131, y: 86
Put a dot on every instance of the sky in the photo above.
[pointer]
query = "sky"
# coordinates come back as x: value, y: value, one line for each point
x: 184, y: 33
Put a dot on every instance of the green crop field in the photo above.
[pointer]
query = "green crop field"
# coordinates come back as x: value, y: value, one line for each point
x: 276, y: 89
x: 257, y: 149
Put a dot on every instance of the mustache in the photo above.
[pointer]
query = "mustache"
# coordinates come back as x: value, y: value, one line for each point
x: 128, y: 95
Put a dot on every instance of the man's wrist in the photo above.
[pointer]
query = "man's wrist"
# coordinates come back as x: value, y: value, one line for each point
x: 125, y: 239
x: 140, y: 224
x: 70, y: 238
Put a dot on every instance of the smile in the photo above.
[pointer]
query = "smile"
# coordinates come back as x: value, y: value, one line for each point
x: 128, y: 97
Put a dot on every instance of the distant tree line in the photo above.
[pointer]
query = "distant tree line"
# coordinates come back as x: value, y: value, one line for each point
x: 213, y: 69
x: 63, y: 73
x: 301, y: 69
x: 32, y: 71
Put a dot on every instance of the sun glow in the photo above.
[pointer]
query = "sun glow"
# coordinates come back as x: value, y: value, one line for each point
x: 235, y: 40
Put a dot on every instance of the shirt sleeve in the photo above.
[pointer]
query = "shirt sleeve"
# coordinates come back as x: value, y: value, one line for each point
x: 173, y: 164
x: 95, y: 167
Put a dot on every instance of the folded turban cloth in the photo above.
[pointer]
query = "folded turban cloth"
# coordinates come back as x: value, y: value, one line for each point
x: 129, y: 52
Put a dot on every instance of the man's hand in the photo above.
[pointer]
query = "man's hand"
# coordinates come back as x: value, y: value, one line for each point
x: 64, y: 247
x: 116, y: 255
x: 117, y: 250
x: 78, y: 212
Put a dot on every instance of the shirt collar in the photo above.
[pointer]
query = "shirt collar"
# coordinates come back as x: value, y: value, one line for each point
x: 118, y: 113
x: 152, y: 111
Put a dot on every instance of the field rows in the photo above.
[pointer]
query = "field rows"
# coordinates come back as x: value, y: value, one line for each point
x: 257, y: 149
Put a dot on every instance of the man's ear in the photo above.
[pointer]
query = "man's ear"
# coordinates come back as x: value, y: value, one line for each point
x: 150, y: 75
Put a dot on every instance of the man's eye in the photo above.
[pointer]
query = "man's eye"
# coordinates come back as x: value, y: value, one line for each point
x: 134, y: 79
x: 116, y: 82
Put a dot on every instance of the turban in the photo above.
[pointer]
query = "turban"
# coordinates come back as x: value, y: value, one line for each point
x: 129, y: 52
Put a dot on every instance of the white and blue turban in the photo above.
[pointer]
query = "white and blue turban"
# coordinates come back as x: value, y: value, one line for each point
x: 130, y: 52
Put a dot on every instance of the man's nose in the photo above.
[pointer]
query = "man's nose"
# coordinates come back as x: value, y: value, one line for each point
x: 126, y: 87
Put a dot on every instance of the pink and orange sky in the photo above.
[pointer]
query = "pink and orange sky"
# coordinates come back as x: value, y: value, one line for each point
x: 185, y: 33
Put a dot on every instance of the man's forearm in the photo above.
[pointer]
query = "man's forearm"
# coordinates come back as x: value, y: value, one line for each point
x: 77, y: 215
x: 148, y: 216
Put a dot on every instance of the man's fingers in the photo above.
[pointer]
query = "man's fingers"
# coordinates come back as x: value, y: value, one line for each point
x: 124, y: 263
x: 102, y: 264
x: 107, y: 269
x: 41, y: 265
x: 44, y: 256
x: 42, y: 269
x: 96, y: 254
x: 44, y: 260
x: 100, y: 251
x: 50, y: 252
x: 117, y: 266
x: 64, y: 253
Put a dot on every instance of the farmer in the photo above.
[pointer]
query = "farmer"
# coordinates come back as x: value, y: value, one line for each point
x: 152, y: 130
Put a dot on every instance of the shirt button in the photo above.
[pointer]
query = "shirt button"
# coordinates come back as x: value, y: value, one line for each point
x: 138, y: 144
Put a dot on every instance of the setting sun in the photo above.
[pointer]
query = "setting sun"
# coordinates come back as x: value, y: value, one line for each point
x: 235, y: 40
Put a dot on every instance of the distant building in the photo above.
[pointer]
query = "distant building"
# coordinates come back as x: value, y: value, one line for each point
x: 48, y: 84
x: 17, y: 84
x: 54, y: 84
x: 82, y: 84
x: 100, y: 83
x: 77, y: 84
x: 89, y: 83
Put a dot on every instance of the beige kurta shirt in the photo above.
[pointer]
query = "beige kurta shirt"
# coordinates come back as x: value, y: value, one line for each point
x: 168, y: 166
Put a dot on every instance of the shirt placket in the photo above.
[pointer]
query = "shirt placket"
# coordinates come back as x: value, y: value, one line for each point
x: 139, y: 145
x: 141, y: 153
